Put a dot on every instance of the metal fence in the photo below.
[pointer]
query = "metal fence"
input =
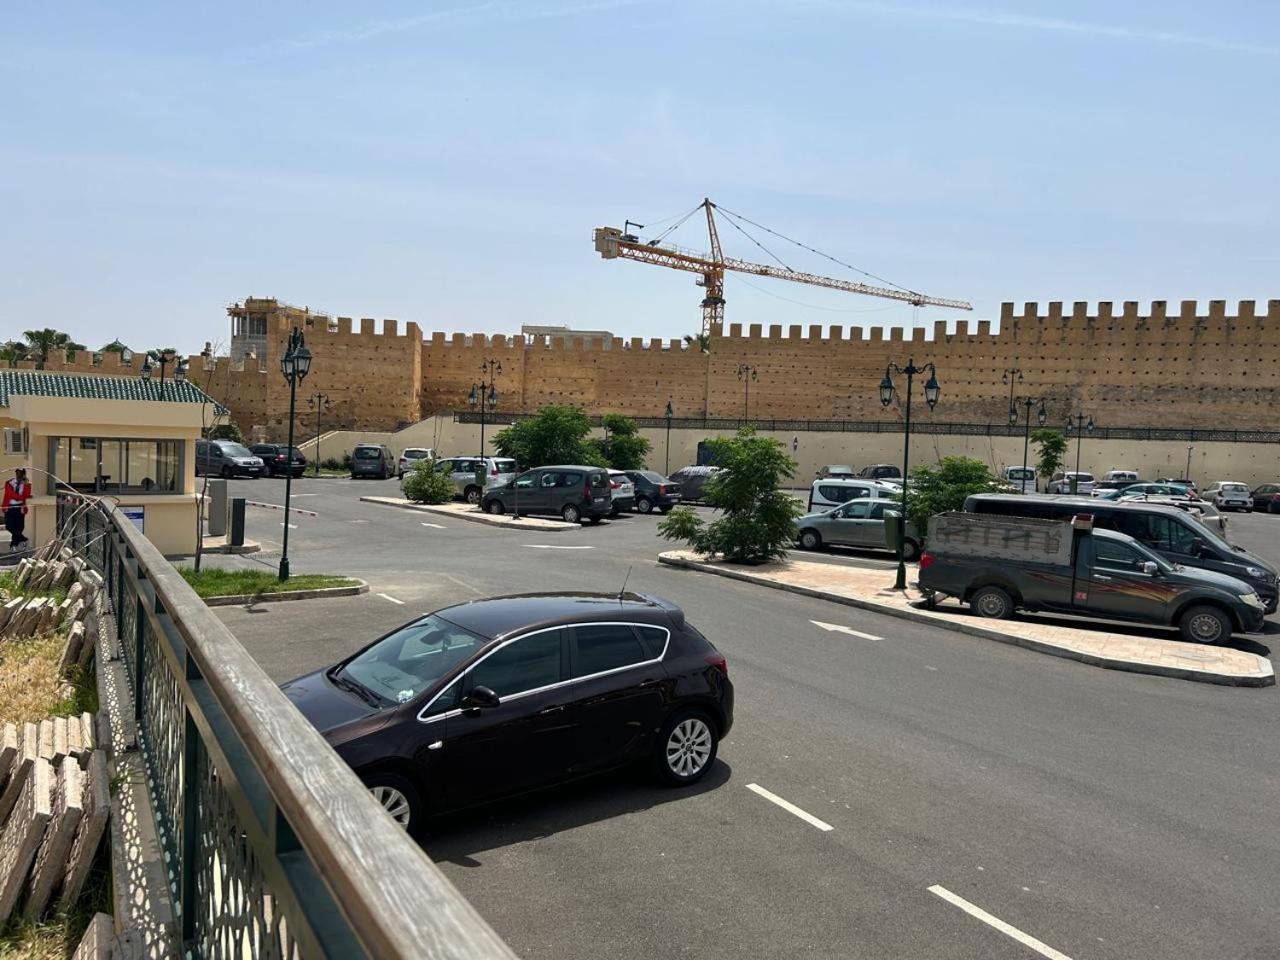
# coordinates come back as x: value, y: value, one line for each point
x: 1177, y: 434
x: 273, y: 847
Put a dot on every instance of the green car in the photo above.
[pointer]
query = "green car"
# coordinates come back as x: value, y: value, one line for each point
x: 858, y: 523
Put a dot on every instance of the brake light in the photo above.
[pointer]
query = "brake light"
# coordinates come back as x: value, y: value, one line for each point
x: 493, y: 471
x: 718, y: 661
x: 586, y: 492
x: 662, y: 489
x: 926, y: 560
x: 279, y: 456
x: 614, y: 485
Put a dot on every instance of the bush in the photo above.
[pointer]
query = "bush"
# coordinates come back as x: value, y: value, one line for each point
x: 622, y: 447
x: 757, y: 520
x: 556, y: 434
x: 331, y: 463
x: 1052, y: 445
x: 425, y: 484
x: 937, y: 489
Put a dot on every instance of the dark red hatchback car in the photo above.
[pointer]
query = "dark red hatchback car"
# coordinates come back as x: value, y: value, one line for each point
x: 497, y: 697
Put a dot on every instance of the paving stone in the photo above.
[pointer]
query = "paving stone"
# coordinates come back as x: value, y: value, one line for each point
x: 96, y: 809
x: 22, y: 833
x: 45, y: 730
x: 75, y: 592
x: 10, y: 741
x: 78, y: 611
x: 51, y: 857
x: 72, y: 649
x: 88, y: 733
x: 8, y: 610
x: 60, y: 739
x: 27, y: 754
x: 97, y: 939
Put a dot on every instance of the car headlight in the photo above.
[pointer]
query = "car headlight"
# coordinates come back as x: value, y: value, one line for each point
x: 1253, y: 600
x: 1256, y: 573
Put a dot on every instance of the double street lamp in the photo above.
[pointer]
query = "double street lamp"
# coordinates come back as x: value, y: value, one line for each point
x: 317, y: 402
x: 485, y: 394
x: 162, y: 359
x: 746, y: 373
x: 1082, y: 427
x: 668, y: 414
x: 295, y: 364
x: 1041, y: 416
x: 931, y: 392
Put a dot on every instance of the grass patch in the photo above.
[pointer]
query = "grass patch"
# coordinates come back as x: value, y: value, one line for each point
x: 214, y: 582
x: 57, y: 937
x: 29, y: 682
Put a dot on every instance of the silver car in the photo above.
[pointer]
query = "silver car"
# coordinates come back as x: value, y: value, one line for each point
x: 858, y: 523
x: 410, y: 456
x: 623, y: 492
x: 1230, y: 495
x: 498, y: 472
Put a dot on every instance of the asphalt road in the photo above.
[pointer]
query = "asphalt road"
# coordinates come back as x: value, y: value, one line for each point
x: 1101, y: 813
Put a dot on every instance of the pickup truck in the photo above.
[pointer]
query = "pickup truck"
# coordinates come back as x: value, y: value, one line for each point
x: 999, y: 564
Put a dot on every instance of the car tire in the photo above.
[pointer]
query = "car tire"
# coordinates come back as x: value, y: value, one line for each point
x: 227, y: 473
x: 471, y: 495
x: 495, y: 508
x: 910, y: 550
x: 810, y: 540
x: 1205, y: 624
x: 399, y: 797
x: 994, y: 603
x: 571, y: 513
x: 644, y: 505
x: 686, y: 748
x: 664, y: 510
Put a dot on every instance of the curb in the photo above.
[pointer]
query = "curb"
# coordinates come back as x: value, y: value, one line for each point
x: 281, y: 596
x: 502, y: 520
x: 1264, y: 678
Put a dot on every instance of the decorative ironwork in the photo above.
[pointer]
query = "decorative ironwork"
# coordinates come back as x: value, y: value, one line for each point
x: 160, y: 735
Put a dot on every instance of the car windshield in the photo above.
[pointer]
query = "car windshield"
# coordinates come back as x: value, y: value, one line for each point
x: 399, y: 667
x: 235, y: 450
x: 414, y: 454
x: 653, y: 477
x: 505, y: 466
x: 367, y: 453
x: 1234, y: 488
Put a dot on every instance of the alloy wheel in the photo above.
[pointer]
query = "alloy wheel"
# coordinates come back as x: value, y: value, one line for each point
x: 689, y: 747
x: 394, y: 802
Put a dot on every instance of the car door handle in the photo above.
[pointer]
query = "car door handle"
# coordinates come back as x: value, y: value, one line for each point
x: 435, y: 746
x: 1098, y: 576
x: 558, y: 708
x: 649, y: 683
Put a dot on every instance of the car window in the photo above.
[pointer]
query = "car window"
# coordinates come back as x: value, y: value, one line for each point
x: 405, y: 663
x: 569, y: 479
x: 450, y: 698
x: 600, y: 647
x: 524, y: 481
x: 549, y: 479
x: 878, y: 509
x: 1116, y: 556
x: 854, y: 511
x: 505, y: 466
x: 653, y: 639
x: 1157, y: 532
x: 597, y: 479
x: 526, y: 664
x: 838, y: 493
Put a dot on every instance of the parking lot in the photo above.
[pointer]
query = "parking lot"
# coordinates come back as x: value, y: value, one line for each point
x: 875, y: 787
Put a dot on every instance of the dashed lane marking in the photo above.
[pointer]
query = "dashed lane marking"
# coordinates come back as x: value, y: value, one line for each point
x: 790, y: 807
x: 435, y: 526
x: 992, y: 921
x: 555, y: 546
x: 386, y: 596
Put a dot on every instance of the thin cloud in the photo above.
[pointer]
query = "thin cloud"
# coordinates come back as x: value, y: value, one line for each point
x: 1052, y: 24
x: 491, y: 11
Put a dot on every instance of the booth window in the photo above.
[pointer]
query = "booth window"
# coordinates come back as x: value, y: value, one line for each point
x: 109, y: 465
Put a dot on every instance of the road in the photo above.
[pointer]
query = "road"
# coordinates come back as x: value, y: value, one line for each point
x: 1096, y: 813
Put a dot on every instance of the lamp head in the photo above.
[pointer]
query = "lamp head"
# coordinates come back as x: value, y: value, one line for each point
x: 886, y: 390
x: 1042, y: 414
x: 471, y: 397
x: 1013, y: 416
x: 932, y: 390
x: 302, y: 361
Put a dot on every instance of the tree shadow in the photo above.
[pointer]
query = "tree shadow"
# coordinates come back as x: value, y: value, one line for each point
x: 457, y: 837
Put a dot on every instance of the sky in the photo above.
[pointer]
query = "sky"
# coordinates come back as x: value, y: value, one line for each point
x: 446, y: 162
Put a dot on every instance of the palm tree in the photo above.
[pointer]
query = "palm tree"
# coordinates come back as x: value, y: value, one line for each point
x: 44, y: 342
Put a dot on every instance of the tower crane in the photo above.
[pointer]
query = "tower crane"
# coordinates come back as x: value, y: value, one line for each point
x: 612, y: 243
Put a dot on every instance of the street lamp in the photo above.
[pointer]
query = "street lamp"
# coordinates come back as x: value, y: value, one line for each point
x: 295, y: 365
x: 931, y: 392
x: 746, y: 373
x: 1042, y: 415
x: 1011, y: 378
x: 486, y: 393
x: 161, y: 358
x: 668, y: 415
x: 1187, y: 476
x: 1081, y: 428
x: 317, y: 402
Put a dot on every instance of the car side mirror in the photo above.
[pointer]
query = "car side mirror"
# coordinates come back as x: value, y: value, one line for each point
x: 1151, y: 568
x: 480, y: 698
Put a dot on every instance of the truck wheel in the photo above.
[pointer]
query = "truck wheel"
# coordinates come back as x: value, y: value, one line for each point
x: 1205, y: 624
x: 810, y: 539
x: 992, y: 602
x: 910, y: 550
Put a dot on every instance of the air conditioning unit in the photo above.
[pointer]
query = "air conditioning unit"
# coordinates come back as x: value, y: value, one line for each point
x: 15, y: 441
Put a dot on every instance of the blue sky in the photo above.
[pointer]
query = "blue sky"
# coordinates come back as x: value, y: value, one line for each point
x: 446, y: 163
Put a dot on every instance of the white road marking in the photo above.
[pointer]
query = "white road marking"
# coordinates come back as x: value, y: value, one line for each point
x: 391, y: 598
x: 808, y: 818
x: 436, y: 526
x: 1013, y: 932
x: 295, y: 496
x: 837, y: 628
x: 555, y: 546
x: 292, y: 526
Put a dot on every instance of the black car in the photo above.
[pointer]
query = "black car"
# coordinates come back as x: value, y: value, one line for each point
x: 497, y: 697
x: 654, y: 491
x: 274, y: 456
x: 880, y: 471
x: 692, y: 480
x: 1266, y: 497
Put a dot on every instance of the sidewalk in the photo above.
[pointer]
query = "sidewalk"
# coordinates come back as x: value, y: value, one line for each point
x: 873, y: 590
x: 464, y: 511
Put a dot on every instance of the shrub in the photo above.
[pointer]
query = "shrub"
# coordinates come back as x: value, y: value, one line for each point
x: 1052, y: 445
x: 556, y: 434
x: 622, y: 447
x: 425, y: 484
x: 936, y: 489
x: 331, y: 463
x: 756, y: 520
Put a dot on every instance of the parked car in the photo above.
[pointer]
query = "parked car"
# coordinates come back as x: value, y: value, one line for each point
x: 1171, y: 532
x: 998, y: 564
x: 825, y: 494
x: 858, y: 523
x: 409, y: 458
x: 622, y: 492
x: 1201, y: 510
x: 1266, y: 497
x: 1130, y: 476
x: 1060, y: 482
x: 692, y: 479
x: 1181, y: 481
x: 1159, y: 489
x: 834, y: 470
x: 881, y: 471
x: 503, y: 696
x: 654, y: 491
x: 277, y: 460
x: 1022, y: 479
x: 1229, y: 495
x: 498, y: 471
x: 226, y: 458
x: 575, y: 492
x: 372, y: 460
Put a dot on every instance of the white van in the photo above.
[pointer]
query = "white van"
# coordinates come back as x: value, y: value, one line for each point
x: 1123, y: 475
x: 1022, y: 479
x: 830, y: 493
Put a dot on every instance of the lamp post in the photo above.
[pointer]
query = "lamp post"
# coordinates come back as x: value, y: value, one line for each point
x: 317, y: 402
x: 1081, y: 428
x: 667, y: 414
x: 1187, y: 476
x: 294, y: 365
x: 162, y: 358
x: 1041, y: 416
x: 1011, y: 378
x: 931, y: 392
x: 746, y: 373
x: 486, y: 393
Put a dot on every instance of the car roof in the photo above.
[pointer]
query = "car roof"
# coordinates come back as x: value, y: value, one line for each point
x: 501, y: 616
x: 1084, y: 501
x: 567, y: 466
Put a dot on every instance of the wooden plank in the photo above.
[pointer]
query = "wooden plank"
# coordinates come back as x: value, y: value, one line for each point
x: 96, y: 808
x: 97, y: 939
x: 10, y: 740
x: 51, y: 858
x: 22, y: 834
x: 28, y: 752
x: 60, y: 738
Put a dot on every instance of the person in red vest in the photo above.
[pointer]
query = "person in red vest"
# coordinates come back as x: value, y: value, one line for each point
x: 17, y: 492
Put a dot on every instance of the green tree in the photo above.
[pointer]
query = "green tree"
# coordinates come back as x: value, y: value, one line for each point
x: 42, y: 343
x: 937, y: 489
x: 703, y: 341
x: 11, y: 351
x: 556, y: 434
x: 756, y: 519
x: 1051, y: 446
x: 226, y: 431
x: 115, y: 346
x: 425, y: 484
x: 622, y: 447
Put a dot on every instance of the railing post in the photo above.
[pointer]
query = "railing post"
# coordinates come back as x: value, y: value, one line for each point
x: 188, y: 856
x: 139, y: 642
